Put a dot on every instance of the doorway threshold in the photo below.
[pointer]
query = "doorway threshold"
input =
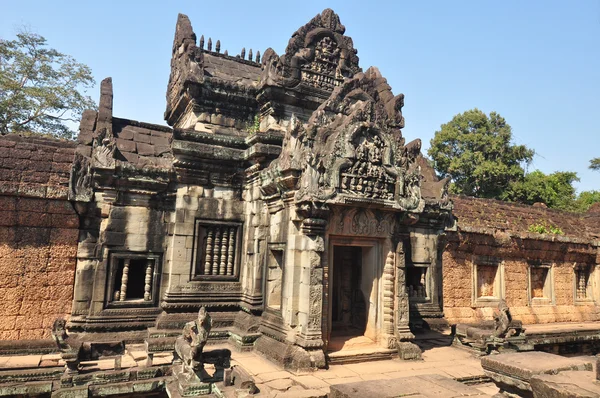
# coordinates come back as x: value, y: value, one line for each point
x: 346, y: 349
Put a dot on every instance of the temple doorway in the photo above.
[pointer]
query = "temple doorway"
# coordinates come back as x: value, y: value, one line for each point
x: 348, y: 315
x: 353, y: 283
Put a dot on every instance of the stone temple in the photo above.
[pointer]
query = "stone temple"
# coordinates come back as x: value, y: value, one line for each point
x: 285, y: 200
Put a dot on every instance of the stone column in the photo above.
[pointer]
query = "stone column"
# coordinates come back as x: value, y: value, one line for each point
x: 406, y: 349
x: 124, y: 280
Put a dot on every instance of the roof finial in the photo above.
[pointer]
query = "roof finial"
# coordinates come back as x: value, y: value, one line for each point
x: 243, y: 54
x: 226, y: 53
x: 218, y: 46
x: 209, y: 46
x: 202, y: 42
x: 258, y: 57
x: 250, y: 55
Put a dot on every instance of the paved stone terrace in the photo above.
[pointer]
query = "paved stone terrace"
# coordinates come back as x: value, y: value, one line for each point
x: 274, y: 382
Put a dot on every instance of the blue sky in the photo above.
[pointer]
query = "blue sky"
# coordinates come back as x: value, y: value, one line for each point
x: 537, y: 63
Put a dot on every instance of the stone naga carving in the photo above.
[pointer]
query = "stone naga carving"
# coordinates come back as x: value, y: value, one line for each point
x: 70, y: 348
x: 504, y: 325
x: 190, y: 344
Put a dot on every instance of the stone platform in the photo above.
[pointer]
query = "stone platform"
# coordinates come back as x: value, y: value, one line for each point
x: 430, y: 386
x: 513, y: 372
x: 134, y: 373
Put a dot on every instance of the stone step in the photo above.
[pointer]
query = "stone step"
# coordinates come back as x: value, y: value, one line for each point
x: 355, y: 356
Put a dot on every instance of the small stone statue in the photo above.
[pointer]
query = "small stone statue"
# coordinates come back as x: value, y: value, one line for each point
x: 70, y: 348
x: 502, y: 320
x: 190, y: 344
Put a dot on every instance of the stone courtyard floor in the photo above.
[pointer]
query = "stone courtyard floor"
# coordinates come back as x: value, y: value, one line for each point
x: 272, y: 381
x: 446, y: 361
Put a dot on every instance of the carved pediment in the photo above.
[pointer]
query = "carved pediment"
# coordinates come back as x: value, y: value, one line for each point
x: 351, y: 150
x: 318, y: 55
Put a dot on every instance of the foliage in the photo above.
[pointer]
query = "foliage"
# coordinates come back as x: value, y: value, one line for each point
x: 585, y: 200
x: 555, y: 190
x: 40, y: 87
x: 476, y: 152
x: 595, y: 164
x: 254, y: 127
x: 544, y: 228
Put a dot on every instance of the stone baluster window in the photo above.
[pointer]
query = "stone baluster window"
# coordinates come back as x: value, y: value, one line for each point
x: 417, y: 281
x: 216, y: 244
x: 133, y: 279
x: 583, y: 282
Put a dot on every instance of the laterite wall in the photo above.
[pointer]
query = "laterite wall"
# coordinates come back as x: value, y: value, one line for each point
x: 38, y: 235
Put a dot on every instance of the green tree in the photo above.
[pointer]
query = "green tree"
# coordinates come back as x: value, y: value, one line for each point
x: 40, y: 88
x: 595, y: 164
x: 556, y: 190
x: 585, y: 200
x: 476, y: 152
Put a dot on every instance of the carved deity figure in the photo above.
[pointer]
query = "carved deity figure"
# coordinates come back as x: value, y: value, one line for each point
x: 190, y: 344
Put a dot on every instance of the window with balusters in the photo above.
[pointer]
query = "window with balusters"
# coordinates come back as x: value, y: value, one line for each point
x: 216, y: 247
x: 133, y: 279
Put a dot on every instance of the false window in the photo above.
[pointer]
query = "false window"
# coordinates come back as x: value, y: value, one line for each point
x: 540, y: 283
x: 488, y: 283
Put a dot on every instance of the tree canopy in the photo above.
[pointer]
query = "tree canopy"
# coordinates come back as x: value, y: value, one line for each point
x: 556, y: 190
x: 595, y: 164
x: 40, y: 88
x: 475, y: 150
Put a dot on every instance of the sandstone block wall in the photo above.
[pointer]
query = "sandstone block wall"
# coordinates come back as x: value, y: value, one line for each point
x: 38, y: 236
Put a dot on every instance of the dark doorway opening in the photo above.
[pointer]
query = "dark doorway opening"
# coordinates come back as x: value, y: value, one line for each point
x: 349, y: 308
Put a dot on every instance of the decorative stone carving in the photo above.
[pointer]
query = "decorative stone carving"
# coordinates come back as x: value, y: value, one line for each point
x: 406, y: 348
x: 318, y: 55
x: 388, y: 300
x: 504, y: 325
x: 80, y: 185
x: 503, y: 334
x: 190, y: 344
x: 351, y: 151
x: 361, y: 222
x: 70, y: 348
x: 189, y: 349
x: 103, y: 150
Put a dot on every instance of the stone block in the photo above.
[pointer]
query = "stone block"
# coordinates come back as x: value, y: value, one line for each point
x: 125, y: 145
x: 145, y: 149
x: 130, y: 157
x: 431, y: 385
x: 157, y: 140
x: 125, y: 134
x: 512, y: 372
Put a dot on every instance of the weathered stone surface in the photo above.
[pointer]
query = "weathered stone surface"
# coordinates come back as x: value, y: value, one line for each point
x: 512, y: 372
x: 571, y: 384
x: 420, y: 386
